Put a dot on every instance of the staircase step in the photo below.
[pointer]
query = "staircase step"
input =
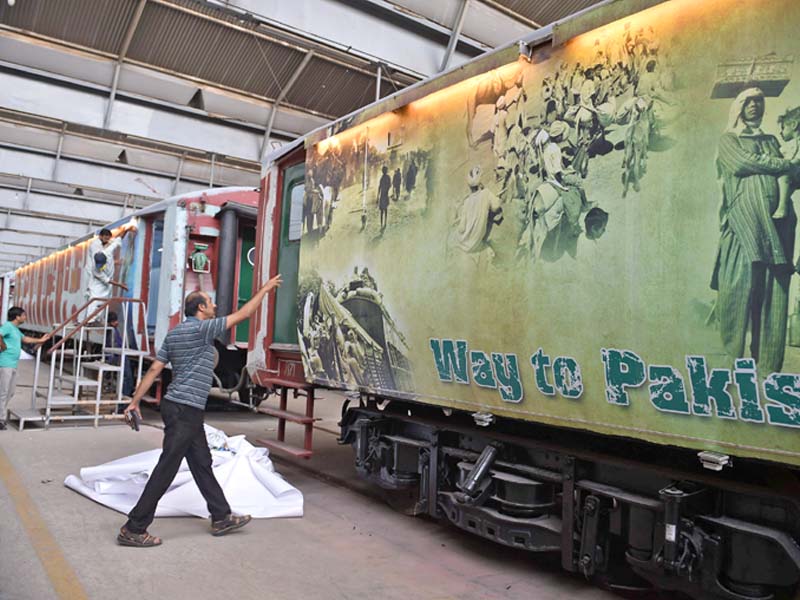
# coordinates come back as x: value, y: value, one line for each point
x: 72, y: 352
x: 127, y: 352
x: 100, y: 366
x: 288, y: 383
x: 99, y: 327
x: 285, y: 448
x: 288, y: 415
x: 80, y: 381
x: 56, y: 399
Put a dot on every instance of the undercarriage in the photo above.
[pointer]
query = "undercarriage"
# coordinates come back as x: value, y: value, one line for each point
x: 627, y: 514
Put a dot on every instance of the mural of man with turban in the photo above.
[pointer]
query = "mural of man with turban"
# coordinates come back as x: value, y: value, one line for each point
x: 753, y: 265
x: 480, y: 210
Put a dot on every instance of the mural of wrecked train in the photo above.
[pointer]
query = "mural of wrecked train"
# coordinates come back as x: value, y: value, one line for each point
x: 570, y: 267
x: 347, y: 336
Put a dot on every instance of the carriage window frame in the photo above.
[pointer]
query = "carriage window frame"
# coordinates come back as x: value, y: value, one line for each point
x: 292, y: 190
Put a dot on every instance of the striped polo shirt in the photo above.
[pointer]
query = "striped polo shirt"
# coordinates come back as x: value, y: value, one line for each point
x: 190, y: 349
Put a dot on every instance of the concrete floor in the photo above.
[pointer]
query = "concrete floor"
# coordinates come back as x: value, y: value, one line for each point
x: 55, y: 543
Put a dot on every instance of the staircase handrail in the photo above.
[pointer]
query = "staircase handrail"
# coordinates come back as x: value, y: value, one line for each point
x: 104, y: 303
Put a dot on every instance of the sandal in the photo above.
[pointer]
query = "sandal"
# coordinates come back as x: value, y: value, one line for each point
x: 228, y: 524
x: 137, y: 540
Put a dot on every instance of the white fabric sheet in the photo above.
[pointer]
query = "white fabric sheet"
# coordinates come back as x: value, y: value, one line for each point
x: 245, y: 472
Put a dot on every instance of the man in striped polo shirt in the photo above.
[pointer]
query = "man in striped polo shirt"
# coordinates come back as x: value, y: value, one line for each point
x: 190, y: 349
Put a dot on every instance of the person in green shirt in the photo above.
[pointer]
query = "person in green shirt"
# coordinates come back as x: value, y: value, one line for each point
x: 10, y: 349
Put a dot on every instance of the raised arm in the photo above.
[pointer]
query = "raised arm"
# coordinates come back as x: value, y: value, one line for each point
x: 145, y: 384
x: 251, y: 305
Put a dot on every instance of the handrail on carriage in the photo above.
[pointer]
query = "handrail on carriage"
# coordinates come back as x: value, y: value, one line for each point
x: 73, y: 317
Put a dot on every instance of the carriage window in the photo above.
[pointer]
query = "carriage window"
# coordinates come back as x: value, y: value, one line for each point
x: 296, y: 213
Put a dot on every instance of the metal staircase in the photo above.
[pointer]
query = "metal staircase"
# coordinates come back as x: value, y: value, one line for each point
x: 79, y: 362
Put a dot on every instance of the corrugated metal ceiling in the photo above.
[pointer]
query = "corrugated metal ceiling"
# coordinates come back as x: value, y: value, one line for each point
x: 96, y: 24
x: 336, y: 90
x: 199, y: 40
x: 544, y: 12
x: 188, y: 44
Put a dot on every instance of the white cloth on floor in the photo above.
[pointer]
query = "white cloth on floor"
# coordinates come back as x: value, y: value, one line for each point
x: 245, y: 472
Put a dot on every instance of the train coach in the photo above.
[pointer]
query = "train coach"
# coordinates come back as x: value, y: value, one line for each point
x: 560, y: 280
x: 195, y: 241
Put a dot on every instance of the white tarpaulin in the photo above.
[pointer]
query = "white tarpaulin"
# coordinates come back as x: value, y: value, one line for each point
x: 245, y: 473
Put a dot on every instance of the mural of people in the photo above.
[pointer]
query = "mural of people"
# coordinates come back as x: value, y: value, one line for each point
x: 789, y: 123
x: 347, y: 180
x: 313, y: 203
x: 479, y: 212
x: 411, y: 177
x: 553, y: 224
x: 384, y: 186
x: 397, y: 181
x: 754, y: 262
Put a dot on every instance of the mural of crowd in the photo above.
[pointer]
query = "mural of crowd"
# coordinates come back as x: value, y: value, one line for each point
x: 544, y: 141
x: 336, y: 177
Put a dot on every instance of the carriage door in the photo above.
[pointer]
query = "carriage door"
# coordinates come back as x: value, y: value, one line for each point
x: 156, y: 250
x: 289, y: 254
x: 247, y: 233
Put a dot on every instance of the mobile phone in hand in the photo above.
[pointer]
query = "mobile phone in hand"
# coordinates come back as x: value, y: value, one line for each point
x: 132, y: 418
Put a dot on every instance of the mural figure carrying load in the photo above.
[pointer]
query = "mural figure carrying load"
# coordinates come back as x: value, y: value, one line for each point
x: 754, y: 259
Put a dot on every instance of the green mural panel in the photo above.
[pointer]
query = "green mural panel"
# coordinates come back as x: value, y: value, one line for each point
x: 602, y: 237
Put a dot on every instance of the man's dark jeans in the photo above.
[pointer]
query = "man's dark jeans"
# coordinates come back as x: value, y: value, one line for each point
x: 183, y: 437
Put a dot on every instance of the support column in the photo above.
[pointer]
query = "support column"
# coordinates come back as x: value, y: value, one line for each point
x: 451, y: 46
x: 58, y: 153
x: 281, y: 97
x: 126, y: 42
x: 178, y: 175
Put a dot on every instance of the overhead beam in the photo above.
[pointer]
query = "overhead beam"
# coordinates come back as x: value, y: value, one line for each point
x: 233, y: 122
x: 454, y: 35
x: 32, y: 190
x: 33, y: 239
x: 72, y: 171
x: 126, y: 42
x: 281, y: 97
x: 14, y: 257
x: 53, y: 206
x: 22, y: 248
x: 9, y: 212
x: 80, y: 131
x: 26, y: 224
